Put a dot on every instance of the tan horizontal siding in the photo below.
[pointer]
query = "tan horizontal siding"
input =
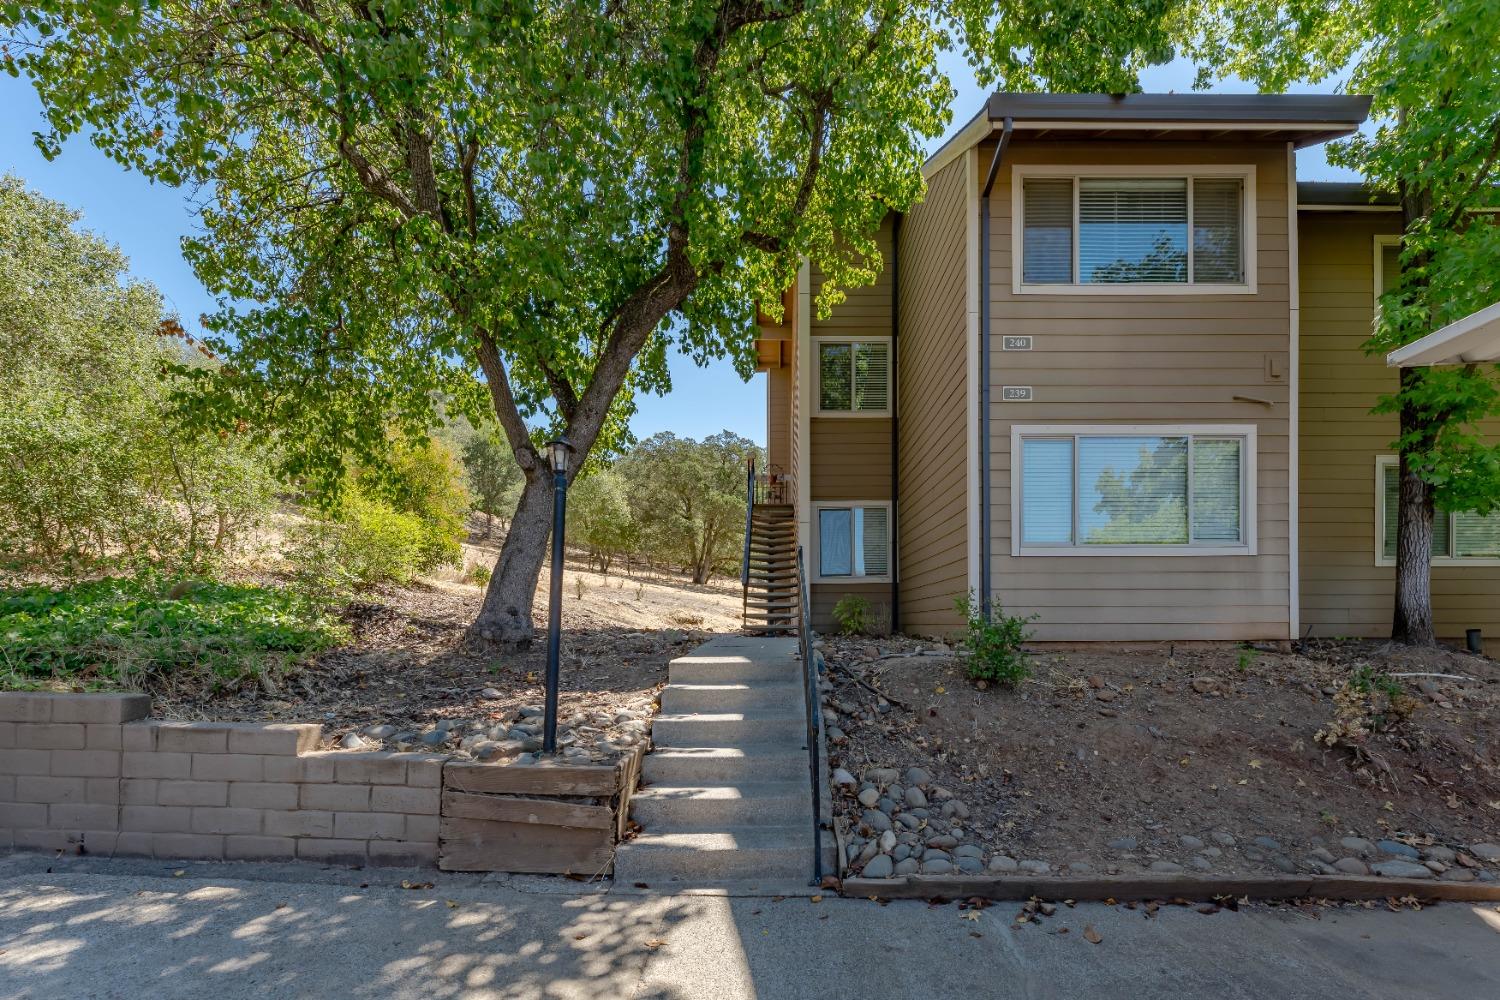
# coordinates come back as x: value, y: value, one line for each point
x: 1170, y: 359
x: 932, y: 402
x: 823, y: 596
x: 849, y: 458
x: 1343, y: 592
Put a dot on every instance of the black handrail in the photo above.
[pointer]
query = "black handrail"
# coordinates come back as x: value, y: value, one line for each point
x: 749, y: 522
x: 814, y: 714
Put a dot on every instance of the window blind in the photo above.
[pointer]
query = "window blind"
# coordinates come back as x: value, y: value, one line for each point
x: 872, y: 371
x: 1217, y: 204
x: 1441, y: 522
x: 1216, y: 490
x: 1047, y: 491
x: 874, y: 537
x: 1476, y: 537
x: 1047, y: 239
x: 1132, y: 230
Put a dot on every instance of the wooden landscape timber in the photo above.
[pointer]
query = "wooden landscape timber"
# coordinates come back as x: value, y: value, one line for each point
x: 1145, y: 887
x: 554, y: 819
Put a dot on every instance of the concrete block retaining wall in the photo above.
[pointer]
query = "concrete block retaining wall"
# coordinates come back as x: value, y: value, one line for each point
x: 91, y: 772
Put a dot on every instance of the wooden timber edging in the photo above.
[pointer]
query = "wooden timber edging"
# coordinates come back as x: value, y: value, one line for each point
x: 1141, y: 887
x: 543, y: 818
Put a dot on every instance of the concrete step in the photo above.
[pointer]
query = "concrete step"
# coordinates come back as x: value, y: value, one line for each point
x: 727, y: 729
x: 702, y: 670
x: 680, y: 699
x: 707, y: 808
x: 715, y: 765
x: 746, y: 852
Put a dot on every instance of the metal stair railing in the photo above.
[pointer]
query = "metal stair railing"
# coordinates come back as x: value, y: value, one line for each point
x: 814, y: 714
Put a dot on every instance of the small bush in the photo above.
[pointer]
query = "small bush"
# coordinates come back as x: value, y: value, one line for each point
x: 479, y: 575
x: 854, y: 615
x: 1369, y: 701
x: 992, y: 644
x: 123, y: 632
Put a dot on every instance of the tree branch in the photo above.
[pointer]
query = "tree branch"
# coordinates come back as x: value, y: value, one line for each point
x: 504, y: 401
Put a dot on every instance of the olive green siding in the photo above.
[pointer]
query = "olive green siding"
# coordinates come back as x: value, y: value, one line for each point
x: 1344, y: 592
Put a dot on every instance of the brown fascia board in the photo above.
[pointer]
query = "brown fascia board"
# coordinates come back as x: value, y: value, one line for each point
x: 1305, y: 118
x: 1349, y: 195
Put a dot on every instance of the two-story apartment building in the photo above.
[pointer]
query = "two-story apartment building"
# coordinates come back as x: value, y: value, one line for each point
x: 1111, y: 374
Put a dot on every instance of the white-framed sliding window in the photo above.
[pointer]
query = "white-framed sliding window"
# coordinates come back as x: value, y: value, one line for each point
x: 1460, y: 538
x: 852, y: 539
x: 1133, y: 230
x: 1133, y: 489
x: 853, y: 376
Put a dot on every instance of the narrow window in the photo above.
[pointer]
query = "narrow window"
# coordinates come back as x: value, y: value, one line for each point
x: 1047, y: 491
x: 854, y: 377
x: 1217, y: 247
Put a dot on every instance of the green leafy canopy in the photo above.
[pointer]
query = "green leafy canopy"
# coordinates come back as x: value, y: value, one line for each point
x: 523, y: 206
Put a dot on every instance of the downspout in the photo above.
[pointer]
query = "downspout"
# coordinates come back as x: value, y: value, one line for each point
x: 986, y: 584
x: 894, y: 555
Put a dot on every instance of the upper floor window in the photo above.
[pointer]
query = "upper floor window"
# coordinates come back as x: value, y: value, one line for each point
x: 1138, y: 230
x: 1458, y: 537
x: 854, y: 377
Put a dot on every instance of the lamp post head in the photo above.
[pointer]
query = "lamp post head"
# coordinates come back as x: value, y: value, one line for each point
x: 558, y: 453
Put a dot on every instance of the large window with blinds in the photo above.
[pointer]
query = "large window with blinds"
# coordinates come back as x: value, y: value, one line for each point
x: 854, y: 377
x: 854, y: 540
x: 1175, y: 490
x: 1458, y: 537
x: 1149, y: 231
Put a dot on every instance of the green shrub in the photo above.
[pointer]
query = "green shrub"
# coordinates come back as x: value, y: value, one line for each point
x: 479, y: 575
x: 854, y: 615
x: 992, y: 643
x: 424, y: 481
x: 124, y: 632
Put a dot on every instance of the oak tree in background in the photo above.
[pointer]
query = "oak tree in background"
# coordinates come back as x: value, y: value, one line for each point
x: 524, y: 205
x: 1434, y: 74
x: 688, y: 498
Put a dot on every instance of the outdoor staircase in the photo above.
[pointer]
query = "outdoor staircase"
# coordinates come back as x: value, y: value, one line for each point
x: 772, y: 605
x: 725, y: 798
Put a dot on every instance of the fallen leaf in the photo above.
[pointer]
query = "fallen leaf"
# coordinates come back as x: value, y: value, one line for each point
x: 655, y: 943
x: 1090, y: 935
x: 179, y: 873
x: 1255, y: 762
x: 452, y: 903
x: 817, y: 899
x: 408, y: 884
x: 971, y: 915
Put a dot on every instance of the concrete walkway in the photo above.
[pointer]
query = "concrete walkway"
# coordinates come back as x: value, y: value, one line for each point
x: 86, y: 928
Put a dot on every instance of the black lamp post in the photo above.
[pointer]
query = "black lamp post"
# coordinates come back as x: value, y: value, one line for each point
x: 558, y: 454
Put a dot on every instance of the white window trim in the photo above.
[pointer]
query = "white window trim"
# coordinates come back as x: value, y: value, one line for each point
x: 817, y: 379
x: 1249, y: 503
x: 1383, y: 462
x: 1378, y: 270
x: 1249, y: 226
x: 817, y: 541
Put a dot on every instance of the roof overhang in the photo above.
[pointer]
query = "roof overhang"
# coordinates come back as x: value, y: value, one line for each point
x: 1300, y: 119
x: 1473, y: 339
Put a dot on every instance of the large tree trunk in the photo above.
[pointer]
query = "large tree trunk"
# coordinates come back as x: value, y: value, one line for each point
x: 1411, y: 622
x: 505, y: 617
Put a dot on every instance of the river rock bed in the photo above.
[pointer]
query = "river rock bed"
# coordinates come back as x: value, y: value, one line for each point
x: 1158, y: 760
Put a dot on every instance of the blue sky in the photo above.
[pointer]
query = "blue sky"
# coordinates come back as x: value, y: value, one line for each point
x: 148, y: 220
